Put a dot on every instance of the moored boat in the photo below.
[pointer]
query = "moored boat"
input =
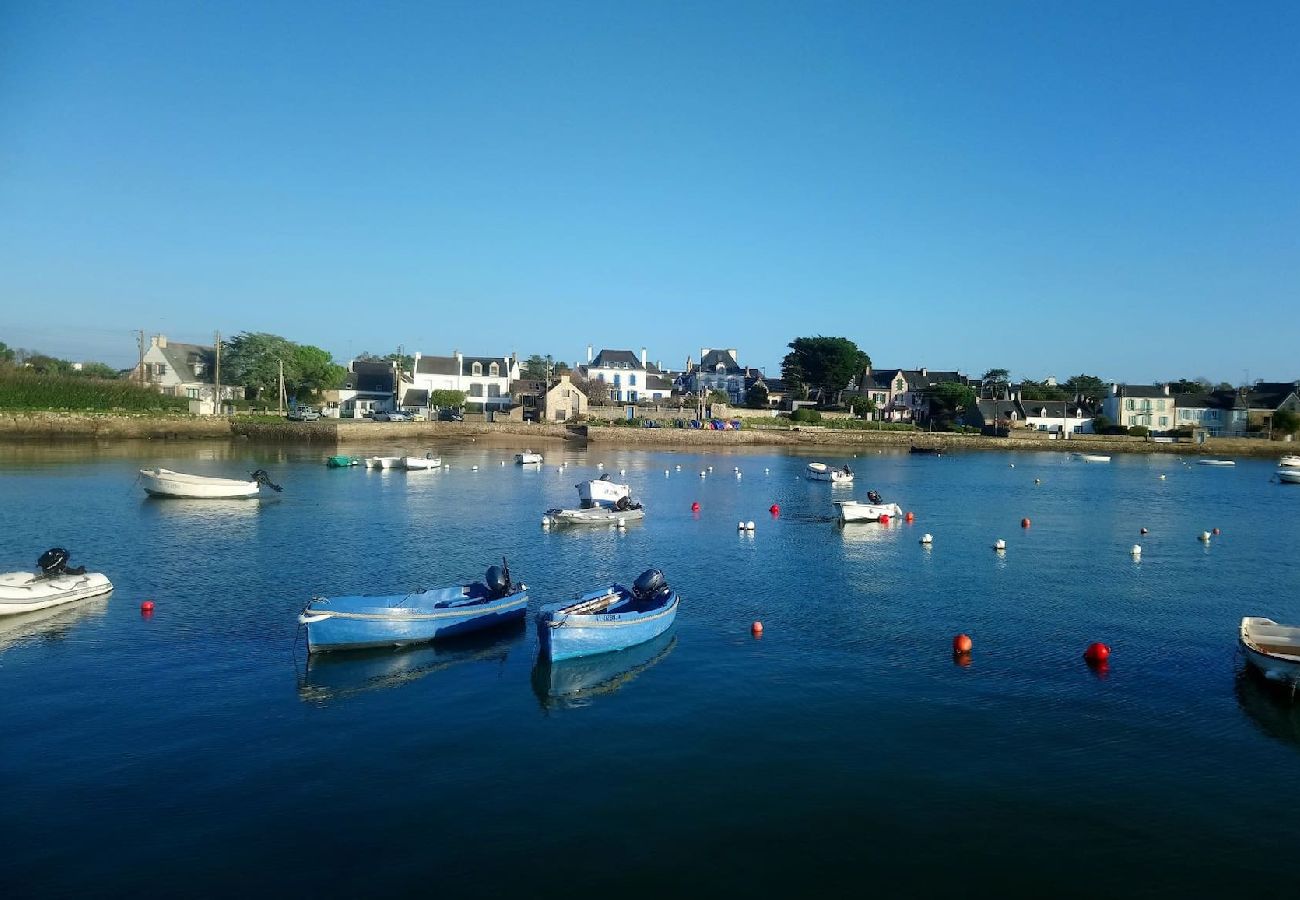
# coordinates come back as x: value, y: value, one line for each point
x: 925, y: 451
x: 1094, y: 457
x: 1272, y: 649
x: 602, y: 501
x: 166, y: 483
x: 383, y: 462
x: 818, y: 471
x: 395, y: 620
x: 1290, y: 461
x: 428, y: 461
x: 528, y: 457
x: 53, y: 585
x: 1288, y: 476
x: 857, y: 511
x: 607, y: 619
x: 1216, y: 462
x: 342, y: 462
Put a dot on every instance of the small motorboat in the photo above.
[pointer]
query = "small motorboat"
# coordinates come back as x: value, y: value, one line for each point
x: 528, y: 458
x: 818, y: 471
x: 54, y: 584
x: 428, y: 461
x: 342, y: 462
x: 166, y: 483
x: 395, y: 620
x: 1288, y: 476
x: 383, y: 462
x: 1094, y: 458
x: 1289, y: 462
x: 607, y: 619
x: 925, y: 451
x: 1216, y: 462
x: 872, y: 511
x: 602, y: 501
x: 1272, y: 649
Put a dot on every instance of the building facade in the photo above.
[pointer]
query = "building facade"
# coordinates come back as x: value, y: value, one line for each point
x: 485, y: 380
x: 629, y: 379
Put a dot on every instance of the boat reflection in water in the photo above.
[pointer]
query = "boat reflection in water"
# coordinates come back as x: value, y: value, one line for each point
x: 573, y: 683
x: 52, y: 624
x: 1273, y: 707
x: 333, y: 677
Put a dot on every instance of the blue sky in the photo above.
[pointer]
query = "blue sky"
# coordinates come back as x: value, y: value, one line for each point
x: 1050, y: 187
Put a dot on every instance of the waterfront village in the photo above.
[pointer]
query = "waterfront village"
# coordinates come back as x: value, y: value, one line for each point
x: 715, y: 388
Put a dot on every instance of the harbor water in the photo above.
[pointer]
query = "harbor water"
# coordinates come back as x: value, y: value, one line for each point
x: 197, y: 751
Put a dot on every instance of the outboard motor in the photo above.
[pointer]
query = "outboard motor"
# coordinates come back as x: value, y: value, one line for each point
x: 261, y: 477
x: 54, y: 562
x: 873, y: 497
x: 497, y: 579
x: 649, y: 583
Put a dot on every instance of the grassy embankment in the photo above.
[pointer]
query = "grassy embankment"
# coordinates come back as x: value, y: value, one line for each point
x: 24, y: 391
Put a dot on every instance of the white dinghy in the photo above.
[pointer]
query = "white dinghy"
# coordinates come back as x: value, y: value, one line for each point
x: 1289, y: 462
x: 383, y: 462
x: 602, y: 501
x: 166, y: 483
x: 1223, y: 463
x: 1288, y: 476
x: 1094, y: 457
x: 818, y: 471
x: 873, y: 510
x: 428, y: 461
x: 54, y: 584
x: 528, y: 458
x: 1272, y: 649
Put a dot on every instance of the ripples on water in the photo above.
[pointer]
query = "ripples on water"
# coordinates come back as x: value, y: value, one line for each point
x: 195, y: 751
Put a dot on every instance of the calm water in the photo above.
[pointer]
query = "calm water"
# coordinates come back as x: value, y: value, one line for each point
x: 195, y: 753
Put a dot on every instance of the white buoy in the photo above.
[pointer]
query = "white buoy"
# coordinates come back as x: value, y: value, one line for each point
x: 999, y: 544
x: 546, y: 523
x: 1205, y: 536
x: 740, y: 526
x: 1013, y: 465
x: 738, y: 475
x: 1137, y: 550
x: 679, y: 468
x: 1038, y: 481
x: 927, y: 539
x: 749, y: 526
x: 710, y: 468
x: 1162, y: 477
x: 767, y: 471
x: 622, y: 522
x: 704, y: 474
x: 473, y: 468
x: 622, y: 471
x: 503, y: 462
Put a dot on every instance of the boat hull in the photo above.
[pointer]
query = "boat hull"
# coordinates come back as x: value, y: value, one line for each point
x: 1271, y: 649
x: 594, y: 516
x: 823, y: 472
x: 1288, y: 476
x: 528, y: 459
x: 1222, y: 463
x: 571, y: 636
x: 24, y: 592
x: 414, y: 463
x: 383, y: 462
x: 1094, y: 458
x: 853, y: 511
x: 340, y: 462
x: 380, y: 625
x: 166, y: 483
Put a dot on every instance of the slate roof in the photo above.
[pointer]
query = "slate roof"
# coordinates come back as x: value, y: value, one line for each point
x: 1269, y: 394
x: 1058, y: 409
x: 617, y: 359
x: 997, y: 410
x: 415, y: 397
x: 372, y: 377
x: 436, y: 365
x: 711, y: 359
x: 657, y: 383
x: 1142, y: 390
x: 182, y: 357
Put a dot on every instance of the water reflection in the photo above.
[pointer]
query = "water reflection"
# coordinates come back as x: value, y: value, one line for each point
x: 53, y: 624
x: 189, y: 511
x: 334, y: 677
x: 1274, y: 708
x: 573, y: 683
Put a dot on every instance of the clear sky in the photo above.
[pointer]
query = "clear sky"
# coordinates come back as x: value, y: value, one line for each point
x: 1050, y: 187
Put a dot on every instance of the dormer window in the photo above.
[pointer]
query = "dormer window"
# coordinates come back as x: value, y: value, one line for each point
x: 476, y: 369
x: 720, y: 369
x: 494, y: 370
x: 900, y: 385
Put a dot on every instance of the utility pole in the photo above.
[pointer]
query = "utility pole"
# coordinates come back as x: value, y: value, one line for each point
x: 139, y: 343
x: 216, y: 374
x: 281, y: 398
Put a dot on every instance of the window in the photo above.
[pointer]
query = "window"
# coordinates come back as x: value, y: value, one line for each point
x: 476, y: 390
x: 600, y: 376
x: 618, y: 379
x: 494, y: 390
x: 1128, y: 404
x: 159, y: 369
x: 476, y: 369
x: 900, y: 385
x: 631, y: 379
x: 1164, y: 420
x: 192, y: 393
x: 494, y: 370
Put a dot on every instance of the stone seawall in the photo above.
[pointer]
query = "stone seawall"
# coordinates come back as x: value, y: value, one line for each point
x: 57, y: 426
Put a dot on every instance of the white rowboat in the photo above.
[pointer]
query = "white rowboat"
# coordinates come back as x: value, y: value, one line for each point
x: 857, y: 511
x: 597, y: 515
x: 1271, y: 648
x: 528, y: 457
x: 1093, y: 457
x: 1215, y: 462
x: 818, y: 471
x: 166, y: 483
x: 428, y: 461
x: 1289, y: 462
x: 383, y: 462
x: 1288, y: 476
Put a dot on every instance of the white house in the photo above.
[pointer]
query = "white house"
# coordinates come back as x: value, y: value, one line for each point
x: 1068, y: 416
x: 1140, y: 404
x: 484, y: 379
x: 183, y: 370
x: 630, y: 379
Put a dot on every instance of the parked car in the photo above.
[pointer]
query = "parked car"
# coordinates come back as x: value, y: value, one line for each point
x: 303, y: 414
x: 392, y: 417
x: 450, y: 415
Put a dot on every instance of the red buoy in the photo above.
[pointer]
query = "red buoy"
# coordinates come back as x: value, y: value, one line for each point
x: 1216, y: 531
x: 1097, y: 654
x: 909, y: 517
x: 884, y: 520
x: 961, y: 644
x: 695, y: 507
x: 756, y: 629
x: 774, y: 509
x: 1024, y: 523
x: 146, y: 606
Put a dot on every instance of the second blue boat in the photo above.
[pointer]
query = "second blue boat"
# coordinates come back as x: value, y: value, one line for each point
x: 344, y: 623
x: 608, y: 619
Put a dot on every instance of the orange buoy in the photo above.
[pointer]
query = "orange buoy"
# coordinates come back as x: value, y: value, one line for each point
x: 961, y: 644
x: 1097, y: 654
x: 695, y: 507
x: 146, y: 606
x: 774, y: 509
x: 909, y: 517
x: 757, y: 628
x: 961, y: 660
x: 1024, y: 523
x: 884, y: 520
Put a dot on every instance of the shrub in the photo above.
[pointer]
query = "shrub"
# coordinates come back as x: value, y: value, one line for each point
x: 1139, y: 431
x: 805, y: 416
x: 26, y: 390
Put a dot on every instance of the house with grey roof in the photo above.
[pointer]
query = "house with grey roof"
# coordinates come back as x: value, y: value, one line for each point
x: 485, y: 380
x: 1148, y: 405
x: 629, y: 378
x: 719, y: 370
x: 183, y: 370
x: 901, y: 395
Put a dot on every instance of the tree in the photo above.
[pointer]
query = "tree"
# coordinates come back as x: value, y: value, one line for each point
x: 1197, y: 385
x: 862, y: 406
x: 405, y: 360
x: 1286, y: 422
x: 597, y: 391
x: 6, y: 354
x: 1037, y: 390
x: 253, y: 359
x: 823, y: 364
x: 96, y: 370
x: 446, y: 399
x: 995, y: 382
x: 757, y: 396
x: 718, y: 397
x: 947, y: 398
x: 1101, y: 423
x: 1087, y: 386
x: 314, y: 371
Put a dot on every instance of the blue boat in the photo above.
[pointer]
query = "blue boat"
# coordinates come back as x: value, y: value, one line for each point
x: 608, y: 619
x: 395, y: 620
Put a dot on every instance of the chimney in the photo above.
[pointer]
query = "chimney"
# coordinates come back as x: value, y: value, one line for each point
x: 1165, y: 386
x: 643, y: 357
x: 1114, y: 389
x: 460, y: 362
x: 160, y: 341
x: 924, y: 372
x: 589, y: 354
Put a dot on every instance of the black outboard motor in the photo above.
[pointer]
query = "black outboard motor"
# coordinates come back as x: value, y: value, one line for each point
x: 648, y: 584
x: 497, y: 579
x: 873, y: 497
x: 261, y: 477
x: 54, y: 562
